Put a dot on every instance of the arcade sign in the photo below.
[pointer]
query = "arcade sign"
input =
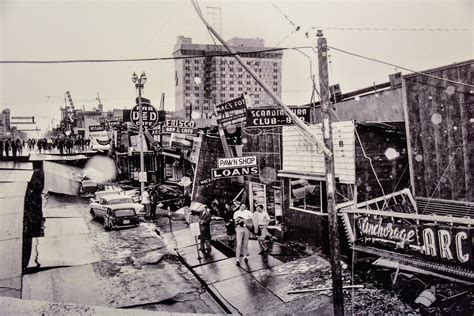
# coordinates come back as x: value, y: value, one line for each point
x: 149, y: 114
x: 443, y: 242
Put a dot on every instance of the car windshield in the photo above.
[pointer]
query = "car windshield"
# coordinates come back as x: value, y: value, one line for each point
x: 121, y: 201
x: 124, y: 212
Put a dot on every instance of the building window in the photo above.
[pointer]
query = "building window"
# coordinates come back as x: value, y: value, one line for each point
x: 188, y: 88
x: 248, y: 76
x: 249, y: 63
x: 239, y: 69
x: 275, y: 83
x: 231, y: 69
x: 231, y: 62
x: 275, y: 77
x: 222, y: 95
x: 222, y: 68
x: 275, y: 70
x: 257, y: 102
x: 196, y: 61
x: 187, y: 61
x: 275, y: 90
x: 196, y: 94
x: 248, y: 82
x: 240, y: 88
x: 188, y: 81
x: 231, y: 82
x: 222, y: 81
x: 306, y: 194
x: 257, y: 96
x: 197, y: 101
x: 187, y: 74
x: 231, y: 95
x: 187, y: 68
x: 240, y: 76
x: 231, y: 88
x: 240, y: 82
x: 275, y: 64
x: 187, y: 94
x: 196, y: 88
x: 257, y: 63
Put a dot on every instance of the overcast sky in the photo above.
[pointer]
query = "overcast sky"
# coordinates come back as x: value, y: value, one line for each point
x: 59, y: 30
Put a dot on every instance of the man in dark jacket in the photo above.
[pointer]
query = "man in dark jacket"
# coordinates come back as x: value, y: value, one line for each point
x: 205, y: 228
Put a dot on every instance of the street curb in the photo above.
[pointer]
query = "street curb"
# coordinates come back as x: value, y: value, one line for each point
x: 216, y: 296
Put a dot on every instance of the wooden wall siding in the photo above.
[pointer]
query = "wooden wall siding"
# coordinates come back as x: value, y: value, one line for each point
x: 299, y: 155
x: 382, y: 106
x: 445, y: 147
x: 392, y: 174
x: 211, y: 149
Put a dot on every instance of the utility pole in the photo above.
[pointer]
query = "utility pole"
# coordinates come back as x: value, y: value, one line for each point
x: 139, y: 84
x: 335, y: 250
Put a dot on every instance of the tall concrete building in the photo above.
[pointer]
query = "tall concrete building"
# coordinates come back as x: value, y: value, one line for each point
x: 201, y: 83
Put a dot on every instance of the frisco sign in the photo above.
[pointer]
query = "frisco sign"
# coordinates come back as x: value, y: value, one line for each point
x: 231, y: 112
x: 261, y: 117
x: 178, y: 126
x: 448, y: 243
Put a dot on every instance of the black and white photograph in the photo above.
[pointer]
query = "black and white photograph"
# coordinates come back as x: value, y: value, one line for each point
x: 265, y: 157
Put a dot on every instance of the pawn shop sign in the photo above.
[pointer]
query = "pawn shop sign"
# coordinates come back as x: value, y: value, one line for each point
x: 149, y: 114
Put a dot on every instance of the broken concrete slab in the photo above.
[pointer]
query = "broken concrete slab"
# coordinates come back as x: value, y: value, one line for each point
x: 17, y: 165
x: 13, y: 189
x: 12, y: 205
x: 10, y: 260
x: 246, y: 294
x: 60, y: 251
x: 11, y: 287
x: 114, y: 283
x: 61, y: 178
x: 11, y: 226
x: 62, y: 212
x: 14, y: 307
x: 257, y: 262
x: 219, y: 271
x: 180, y: 239
x: 11, y: 175
x: 190, y: 254
x: 65, y: 226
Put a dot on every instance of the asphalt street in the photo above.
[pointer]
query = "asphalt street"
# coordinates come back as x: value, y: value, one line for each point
x: 78, y: 262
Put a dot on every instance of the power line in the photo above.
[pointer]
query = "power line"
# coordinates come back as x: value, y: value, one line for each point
x: 392, y: 29
x: 70, y: 61
x: 401, y: 67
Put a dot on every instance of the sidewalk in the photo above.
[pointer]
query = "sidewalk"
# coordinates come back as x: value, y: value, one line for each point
x: 260, y: 286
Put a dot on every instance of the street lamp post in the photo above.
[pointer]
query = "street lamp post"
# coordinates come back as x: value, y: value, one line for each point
x: 139, y: 84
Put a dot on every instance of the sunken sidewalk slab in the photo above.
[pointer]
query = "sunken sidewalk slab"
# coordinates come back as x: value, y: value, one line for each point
x: 259, y: 286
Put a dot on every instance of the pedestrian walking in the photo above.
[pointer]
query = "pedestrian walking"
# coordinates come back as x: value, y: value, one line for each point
x: 14, y: 147
x: 145, y: 199
x: 7, y: 147
x: 19, y: 145
x: 229, y: 224
x: 153, y: 203
x: 241, y: 218
x: 205, y: 229
x: 1, y: 147
x: 187, y: 207
x: 261, y: 219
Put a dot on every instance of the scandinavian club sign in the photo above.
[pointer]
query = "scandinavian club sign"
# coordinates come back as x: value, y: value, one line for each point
x: 235, y: 167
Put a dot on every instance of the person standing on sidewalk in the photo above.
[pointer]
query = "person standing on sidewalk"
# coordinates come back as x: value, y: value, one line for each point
x: 187, y: 207
x: 261, y: 219
x: 242, y: 216
x: 205, y: 228
x: 146, y: 203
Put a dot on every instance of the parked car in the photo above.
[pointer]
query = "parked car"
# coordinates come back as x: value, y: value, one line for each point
x: 88, y: 188
x: 99, y: 208
x: 169, y: 196
x: 120, y: 216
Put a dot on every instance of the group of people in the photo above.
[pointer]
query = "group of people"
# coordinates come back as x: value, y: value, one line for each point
x: 15, y: 146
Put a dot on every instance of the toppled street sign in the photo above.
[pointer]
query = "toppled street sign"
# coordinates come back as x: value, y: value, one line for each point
x: 261, y: 117
x: 232, y: 112
x: 234, y: 172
